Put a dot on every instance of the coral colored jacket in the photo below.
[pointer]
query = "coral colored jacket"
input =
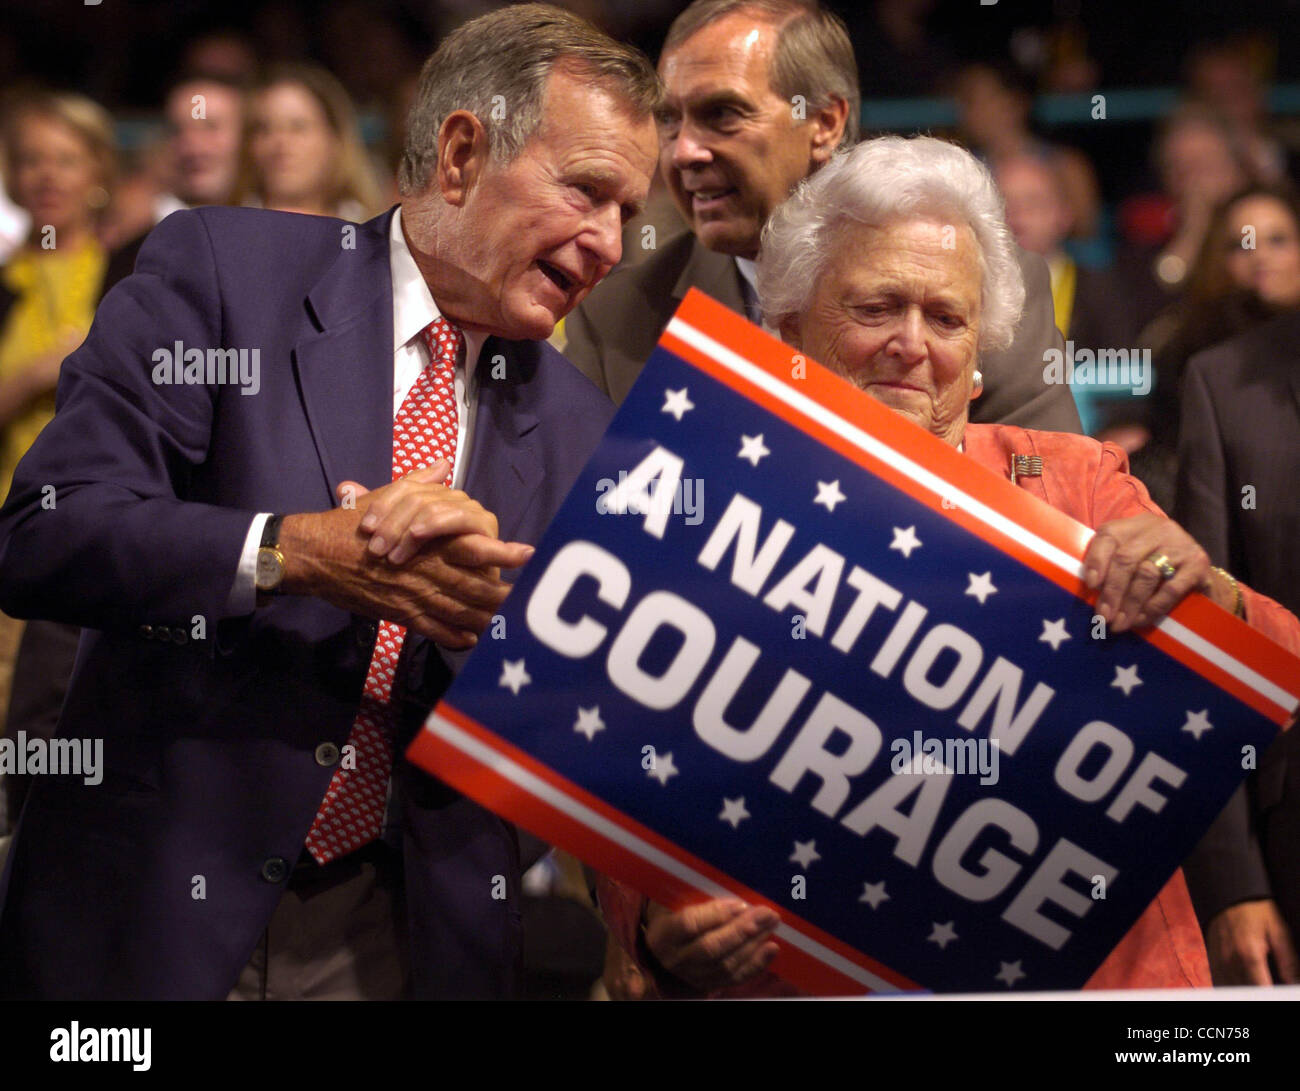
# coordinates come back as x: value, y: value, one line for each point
x: 1089, y: 481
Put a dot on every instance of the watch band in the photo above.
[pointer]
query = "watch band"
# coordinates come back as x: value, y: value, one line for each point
x: 269, y: 545
x: 271, y: 532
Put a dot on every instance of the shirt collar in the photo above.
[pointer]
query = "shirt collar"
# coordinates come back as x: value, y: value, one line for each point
x: 748, y: 271
x: 413, y: 304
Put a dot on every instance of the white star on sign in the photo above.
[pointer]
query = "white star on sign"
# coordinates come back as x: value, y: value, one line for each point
x: 733, y: 811
x: 663, y: 768
x: 513, y: 675
x: 751, y: 447
x: 942, y: 934
x: 874, y: 894
x: 1198, y: 723
x: 589, y: 722
x: 828, y: 493
x: 1053, y: 633
x: 1126, y: 678
x: 981, y: 586
x: 905, y: 541
x: 805, y: 852
x: 1010, y: 973
x: 677, y: 403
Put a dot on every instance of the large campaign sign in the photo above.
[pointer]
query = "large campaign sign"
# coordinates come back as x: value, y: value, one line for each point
x: 782, y: 644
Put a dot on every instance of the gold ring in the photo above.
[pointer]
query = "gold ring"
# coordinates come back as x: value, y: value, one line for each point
x: 1161, y: 561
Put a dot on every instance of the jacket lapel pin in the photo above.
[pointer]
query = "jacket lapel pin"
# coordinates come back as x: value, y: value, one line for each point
x: 1026, y: 466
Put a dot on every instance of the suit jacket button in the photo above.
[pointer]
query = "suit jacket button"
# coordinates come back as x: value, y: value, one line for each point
x: 275, y: 870
x: 180, y: 636
x: 327, y: 754
x: 146, y: 631
x: 366, y: 634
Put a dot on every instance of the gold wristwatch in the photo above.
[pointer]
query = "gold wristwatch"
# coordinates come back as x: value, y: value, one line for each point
x: 269, y: 571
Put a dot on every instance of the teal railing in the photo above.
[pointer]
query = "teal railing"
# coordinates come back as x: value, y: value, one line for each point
x: 899, y: 114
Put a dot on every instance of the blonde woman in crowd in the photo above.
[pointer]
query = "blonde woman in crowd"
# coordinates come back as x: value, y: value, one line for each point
x: 59, y: 164
x: 303, y: 149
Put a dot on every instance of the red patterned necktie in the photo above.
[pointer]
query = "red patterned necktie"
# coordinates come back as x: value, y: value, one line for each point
x: 424, y: 430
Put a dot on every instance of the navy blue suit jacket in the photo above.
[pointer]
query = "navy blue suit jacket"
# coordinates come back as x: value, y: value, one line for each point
x: 209, y: 744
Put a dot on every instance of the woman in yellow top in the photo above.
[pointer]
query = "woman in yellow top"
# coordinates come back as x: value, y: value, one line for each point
x: 59, y: 165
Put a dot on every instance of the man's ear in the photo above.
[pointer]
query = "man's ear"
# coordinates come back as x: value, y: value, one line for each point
x: 462, y: 155
x: 828, y: 124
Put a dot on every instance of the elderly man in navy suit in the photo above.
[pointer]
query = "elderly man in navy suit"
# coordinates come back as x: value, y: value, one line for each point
x: 290, y: 470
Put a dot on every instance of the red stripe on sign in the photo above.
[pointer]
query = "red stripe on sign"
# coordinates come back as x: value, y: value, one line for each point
x: 1201, y: 615
x: 515, y: 801
x: 857, y: 409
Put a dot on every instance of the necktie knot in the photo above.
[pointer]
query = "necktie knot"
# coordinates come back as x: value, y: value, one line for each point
x: 443, y: 341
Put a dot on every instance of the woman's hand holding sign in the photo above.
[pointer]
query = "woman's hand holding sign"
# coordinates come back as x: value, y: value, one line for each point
x: 713, y: 944
x: 1144, y: 566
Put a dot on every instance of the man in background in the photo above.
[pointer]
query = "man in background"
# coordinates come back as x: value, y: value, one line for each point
x: 758, y: 95
x: 1238, y: 464
x: 199, y: 163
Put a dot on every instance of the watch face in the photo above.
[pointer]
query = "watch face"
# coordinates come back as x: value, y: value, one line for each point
x: 270, y: 570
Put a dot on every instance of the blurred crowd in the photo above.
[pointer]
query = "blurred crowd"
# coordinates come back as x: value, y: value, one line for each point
x: 1171, y: 255
x: 1195, y: 244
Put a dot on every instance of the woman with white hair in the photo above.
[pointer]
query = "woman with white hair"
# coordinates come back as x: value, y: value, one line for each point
x: 893, y: 267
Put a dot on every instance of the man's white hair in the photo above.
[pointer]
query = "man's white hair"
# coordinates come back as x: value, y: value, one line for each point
x: 882, y: 181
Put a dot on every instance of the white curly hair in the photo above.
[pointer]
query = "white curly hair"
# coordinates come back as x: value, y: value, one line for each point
x: 877, y: 182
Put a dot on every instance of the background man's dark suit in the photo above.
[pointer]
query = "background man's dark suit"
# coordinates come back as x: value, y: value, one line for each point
x: 612, y: 333
x: 209, y: 745
x: 1241, y: 426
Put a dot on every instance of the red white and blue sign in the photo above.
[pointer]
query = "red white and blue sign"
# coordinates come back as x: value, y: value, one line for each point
x: 782, y: 644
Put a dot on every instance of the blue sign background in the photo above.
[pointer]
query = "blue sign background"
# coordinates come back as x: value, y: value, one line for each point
x: 540, y: 719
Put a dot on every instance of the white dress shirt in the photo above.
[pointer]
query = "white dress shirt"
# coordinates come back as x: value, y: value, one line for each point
x: 748, y: 271
x: 413, y: 310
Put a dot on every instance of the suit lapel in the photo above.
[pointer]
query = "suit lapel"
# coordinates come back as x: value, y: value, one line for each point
x: 505, y: 469
x: 713, y: 274
x: 344, y: 366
